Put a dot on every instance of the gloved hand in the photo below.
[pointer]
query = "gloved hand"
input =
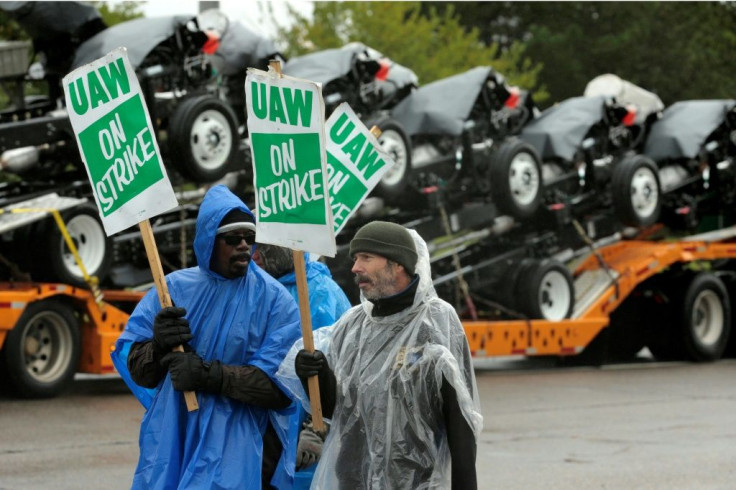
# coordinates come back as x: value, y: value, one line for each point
x: 170, y: 329
x: 190, y: 373
x: 309, y: 448
x: 309, y: 364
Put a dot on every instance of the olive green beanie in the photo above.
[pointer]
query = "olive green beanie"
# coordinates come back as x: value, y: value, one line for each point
x: 387, y: 240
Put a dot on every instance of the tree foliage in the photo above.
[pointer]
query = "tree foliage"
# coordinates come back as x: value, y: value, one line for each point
x: 433, y: 44
x: 680, y: 50
x: 115, y: 13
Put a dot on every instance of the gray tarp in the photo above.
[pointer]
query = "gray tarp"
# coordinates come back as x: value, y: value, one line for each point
x: 322, y: 66
x: 241, y: 48
x: 331, y: 64
x: 684, y: 127
x: 139, y: 36
x: 559, y: 131
x: 442, y: 107
x: 47, y: 20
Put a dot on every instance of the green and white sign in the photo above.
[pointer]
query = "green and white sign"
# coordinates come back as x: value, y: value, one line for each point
x: 356, y: 163
x: 286, y: 126
x: 117, y: 142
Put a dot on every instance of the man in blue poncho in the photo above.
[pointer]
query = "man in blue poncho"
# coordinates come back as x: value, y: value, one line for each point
x: 327, y: 303
x: 236, y: 324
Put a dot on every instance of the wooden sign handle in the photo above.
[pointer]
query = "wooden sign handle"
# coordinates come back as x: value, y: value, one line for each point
x: 149, y: 242
x: 300, y: 271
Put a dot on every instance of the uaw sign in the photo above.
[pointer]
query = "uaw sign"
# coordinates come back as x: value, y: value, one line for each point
x: 356, y: 163
x: 117, y: 142
x: 286, y: 127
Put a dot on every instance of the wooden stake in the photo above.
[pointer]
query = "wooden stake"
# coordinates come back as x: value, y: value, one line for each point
x: 149, y: 242
x: 376, y: 131
x: 303, y: 293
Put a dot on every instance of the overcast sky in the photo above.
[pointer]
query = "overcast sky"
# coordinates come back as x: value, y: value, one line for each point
x: 252, y: 13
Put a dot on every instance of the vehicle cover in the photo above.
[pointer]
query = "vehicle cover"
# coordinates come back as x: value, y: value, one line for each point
x: 241, y: 48
x: 196, y: 450
x: 443, y: 106
x: 332, y: 64
x: 46, y: 20
x: 560, y: 130
x: 56, y: 28
x: 389, y: 372
x: 139, y: 36
x: 627, y: 93
x: 684, y: 127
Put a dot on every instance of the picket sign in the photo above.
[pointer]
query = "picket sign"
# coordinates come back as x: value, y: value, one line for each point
x: 118, y: 146
x: 356, y: 162
x: 286, y: 125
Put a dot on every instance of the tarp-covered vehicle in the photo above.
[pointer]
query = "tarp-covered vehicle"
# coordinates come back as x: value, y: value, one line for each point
x: 38, y: 152
x: 694, y: 145
x: 197, y: 131
x: 457, y: 126
x: 240, y: 48
x: 588, y: 146
x: 371, y: 83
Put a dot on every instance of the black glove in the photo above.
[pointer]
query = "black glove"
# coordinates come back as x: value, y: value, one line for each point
x: 190, y: 373
x: 170, y: 329
x: 309, y: 364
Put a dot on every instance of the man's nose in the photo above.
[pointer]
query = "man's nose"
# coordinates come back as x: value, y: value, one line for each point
x: 356, y: 268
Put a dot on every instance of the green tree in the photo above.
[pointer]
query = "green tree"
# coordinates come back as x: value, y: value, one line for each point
x: 680, y: 50
x: 433, y: 44
x: 115, y: 13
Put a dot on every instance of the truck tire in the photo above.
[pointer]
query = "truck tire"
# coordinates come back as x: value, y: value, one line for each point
x: 41, y: 353
x: 700, y: 322
x: 203, y: 138
x: 544, y: 290
x: 94, y: 247
x: 396, y: 143
x: 516, y: 179
x: 636, y: 191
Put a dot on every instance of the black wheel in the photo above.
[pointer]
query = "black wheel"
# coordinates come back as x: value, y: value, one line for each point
x: 700, y: 322
x: 41, y: 352
x: 544, y: 289
x: 516, y: 179
x: 57, y: 263
x: 636, y: 191
x: 396, y: 143
x: 203, y: 138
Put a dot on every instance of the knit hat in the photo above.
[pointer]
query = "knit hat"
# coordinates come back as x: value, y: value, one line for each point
x: 387, y: 240
x: 236, y: 220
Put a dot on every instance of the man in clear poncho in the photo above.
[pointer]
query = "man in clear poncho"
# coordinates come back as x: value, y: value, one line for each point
x: 396, y: 376
x: 236, y: 324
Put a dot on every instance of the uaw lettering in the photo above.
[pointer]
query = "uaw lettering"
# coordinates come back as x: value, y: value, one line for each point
x: 288, y: 166
x: 356, y: 146
x: 119, y: 147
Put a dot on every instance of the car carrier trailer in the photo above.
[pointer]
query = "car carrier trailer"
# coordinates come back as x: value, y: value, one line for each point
x: 674, y: 297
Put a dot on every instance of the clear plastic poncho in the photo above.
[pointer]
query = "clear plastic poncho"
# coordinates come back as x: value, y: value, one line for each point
x: 387, y: 430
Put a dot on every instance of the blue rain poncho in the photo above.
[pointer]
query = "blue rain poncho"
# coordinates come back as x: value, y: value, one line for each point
x: 327, y: 302
x: 387, y: 430
x: 250, y: 320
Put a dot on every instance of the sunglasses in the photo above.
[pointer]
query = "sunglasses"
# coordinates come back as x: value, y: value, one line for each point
x: 234, y: 240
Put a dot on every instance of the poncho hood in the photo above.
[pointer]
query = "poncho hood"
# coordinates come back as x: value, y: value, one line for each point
x: 218, y: 201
